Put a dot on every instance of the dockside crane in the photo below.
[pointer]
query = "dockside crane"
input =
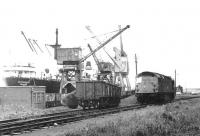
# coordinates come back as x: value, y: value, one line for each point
x: 105, y: 68
x: 30, y: 43
x: 95, y: 58
x: 121, y: 73
x: 35, y: 42
x: 103, y: 44
x: 27, y: 41
x: 99, y: 42
x: 97, y: 39
x: 32, y: 46
x: 121, y: 63
x: 72, y: 60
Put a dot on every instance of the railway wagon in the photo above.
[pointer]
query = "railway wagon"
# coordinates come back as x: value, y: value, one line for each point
x: 154, y: 87
x: 97, y: 94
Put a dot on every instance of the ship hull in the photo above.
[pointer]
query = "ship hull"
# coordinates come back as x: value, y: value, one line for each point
x: 52, y: 86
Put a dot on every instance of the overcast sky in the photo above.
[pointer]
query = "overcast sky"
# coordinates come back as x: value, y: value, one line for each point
x: 165, y: 35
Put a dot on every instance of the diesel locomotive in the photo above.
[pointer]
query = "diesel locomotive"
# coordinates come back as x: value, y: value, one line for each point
x: 154, y: 87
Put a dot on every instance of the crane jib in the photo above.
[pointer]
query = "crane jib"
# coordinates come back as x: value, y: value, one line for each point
x: 102, y: 45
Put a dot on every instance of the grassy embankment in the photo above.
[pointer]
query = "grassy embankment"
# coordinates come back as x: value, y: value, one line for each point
x: 179, y: 118
x: 12, y: 111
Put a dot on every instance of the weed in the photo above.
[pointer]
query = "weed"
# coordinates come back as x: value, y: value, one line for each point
x: 165, y: 120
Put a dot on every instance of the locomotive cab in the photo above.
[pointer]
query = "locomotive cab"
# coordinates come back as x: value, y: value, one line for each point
x: 146, y: 84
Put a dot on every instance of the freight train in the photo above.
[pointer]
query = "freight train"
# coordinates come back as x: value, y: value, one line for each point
x: 154, y: 87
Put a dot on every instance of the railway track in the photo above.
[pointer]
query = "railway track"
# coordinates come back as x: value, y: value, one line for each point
x: 39, y: 116
x: 18, y: 126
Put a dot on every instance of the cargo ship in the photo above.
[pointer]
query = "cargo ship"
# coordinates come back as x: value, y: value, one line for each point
x: 20, y: 75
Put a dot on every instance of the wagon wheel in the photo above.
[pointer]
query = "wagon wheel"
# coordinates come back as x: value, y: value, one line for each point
x: 95, y: 105
x: 98, y: 105
x: 83, y: 106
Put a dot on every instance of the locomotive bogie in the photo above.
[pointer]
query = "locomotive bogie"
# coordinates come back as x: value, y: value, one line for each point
x: 155, y: 97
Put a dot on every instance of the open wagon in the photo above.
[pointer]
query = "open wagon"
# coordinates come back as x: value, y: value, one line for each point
x: 97, y: 94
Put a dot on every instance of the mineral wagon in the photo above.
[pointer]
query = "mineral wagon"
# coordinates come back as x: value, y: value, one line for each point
x: 97, y: 94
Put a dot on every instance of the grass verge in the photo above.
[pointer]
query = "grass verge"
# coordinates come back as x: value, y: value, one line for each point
x: 179, y: 118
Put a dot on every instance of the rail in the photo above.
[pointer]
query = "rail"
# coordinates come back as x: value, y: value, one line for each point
x: 17, y: 126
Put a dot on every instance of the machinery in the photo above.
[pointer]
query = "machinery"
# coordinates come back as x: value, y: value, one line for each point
x: 105, y: 69
x: 72, y: 61
x: 121, y: 67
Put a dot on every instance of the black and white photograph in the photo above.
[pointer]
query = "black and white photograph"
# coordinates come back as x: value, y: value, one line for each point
x: 99, y: 68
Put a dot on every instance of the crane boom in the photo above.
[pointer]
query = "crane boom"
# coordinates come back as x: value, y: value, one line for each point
x: 99, y: 42
x: 27, y: 41
x: 32, y: 46
x: 37, y: 45
x: 95, y: 58
x: 123, y: 53
x: 48, y: 50
x: 102, y: 45
x: 97, y: 39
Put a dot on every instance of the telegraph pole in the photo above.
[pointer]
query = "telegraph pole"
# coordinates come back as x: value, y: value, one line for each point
x: 175, y: 79
x: 136, y: 65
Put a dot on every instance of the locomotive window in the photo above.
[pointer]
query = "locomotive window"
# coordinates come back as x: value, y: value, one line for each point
x: 139, y: 80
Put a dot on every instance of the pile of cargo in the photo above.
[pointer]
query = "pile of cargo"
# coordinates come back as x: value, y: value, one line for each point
x: 70, y: 100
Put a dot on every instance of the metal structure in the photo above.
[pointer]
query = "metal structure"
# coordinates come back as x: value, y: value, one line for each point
x: 27, y: 41
x: 35, y: 42
x: 136, y: 68
x: 105, y: 69
x: 97, y: 94
x: 73, y: 63
x: 103, y: 44
x: 122, y: 67
x: 99, y: 42
x: 31, y: 43
x: 32, y: 46
x: 48, y: 50
x: 56, y: 45
x: 121, y: 63
x: 95, y: 58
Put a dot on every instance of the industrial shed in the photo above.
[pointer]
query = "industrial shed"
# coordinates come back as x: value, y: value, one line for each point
x: 28, y: 96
